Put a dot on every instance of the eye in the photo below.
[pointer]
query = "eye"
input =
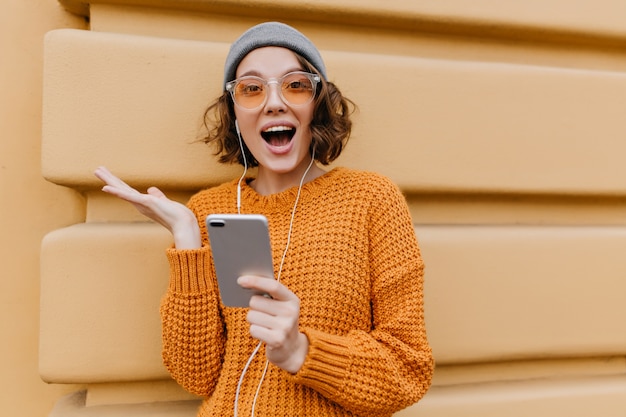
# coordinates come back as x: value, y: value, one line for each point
x: 250, y: 88
x: 301, y: 84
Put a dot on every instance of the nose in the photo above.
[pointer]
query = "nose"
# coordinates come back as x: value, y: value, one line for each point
x: 275, y: 102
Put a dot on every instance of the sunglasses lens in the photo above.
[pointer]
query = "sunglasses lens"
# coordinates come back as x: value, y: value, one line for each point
x: 249, y: 93
x: 297, y: 89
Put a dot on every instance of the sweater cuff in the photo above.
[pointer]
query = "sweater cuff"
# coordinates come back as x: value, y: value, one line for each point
x: 326, y: 364
x: 189, y: 270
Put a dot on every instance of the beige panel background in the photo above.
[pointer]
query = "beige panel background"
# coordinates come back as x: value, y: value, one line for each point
x: 501, y: 121
x: 30, y: 207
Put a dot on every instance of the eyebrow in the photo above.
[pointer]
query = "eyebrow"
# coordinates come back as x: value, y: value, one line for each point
x: 258, y: 74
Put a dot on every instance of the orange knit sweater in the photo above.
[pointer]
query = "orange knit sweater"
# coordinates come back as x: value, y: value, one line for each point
x: 354, y: 263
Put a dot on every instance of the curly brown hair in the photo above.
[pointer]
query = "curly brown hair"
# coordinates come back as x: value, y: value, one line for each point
x: 330, y: 128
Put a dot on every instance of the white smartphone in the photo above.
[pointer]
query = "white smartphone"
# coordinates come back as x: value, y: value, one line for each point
x: 240, y: 244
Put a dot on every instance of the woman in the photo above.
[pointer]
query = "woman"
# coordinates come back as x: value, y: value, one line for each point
x: 342, y: 333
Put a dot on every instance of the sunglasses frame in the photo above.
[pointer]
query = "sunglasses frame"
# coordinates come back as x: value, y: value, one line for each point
x: 313, y: 78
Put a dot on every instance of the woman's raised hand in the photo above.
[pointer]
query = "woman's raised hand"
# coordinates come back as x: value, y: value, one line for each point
x: 174, y: 216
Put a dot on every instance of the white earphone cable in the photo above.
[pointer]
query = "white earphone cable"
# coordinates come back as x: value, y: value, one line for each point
x: 243, y: 373
x: 258, y: 388
x: 280, y: 269
x: 245, y: 168
x: 293, y: 215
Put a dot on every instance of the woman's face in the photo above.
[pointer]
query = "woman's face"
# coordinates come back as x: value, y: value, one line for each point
x: 277, y: 133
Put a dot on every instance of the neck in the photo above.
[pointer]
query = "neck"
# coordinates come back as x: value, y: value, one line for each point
x: 270, y: 182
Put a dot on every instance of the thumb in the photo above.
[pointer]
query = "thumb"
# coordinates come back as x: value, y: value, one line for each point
x: 154, y: 191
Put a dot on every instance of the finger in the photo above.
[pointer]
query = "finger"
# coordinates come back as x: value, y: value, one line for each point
x: 154, y: 191
x: 264, y: 335
x: 273, y: 307
x: 115, y: 186
x: 124, y: 192
x: 111, y: 180
x: 270, y: 286
x: 101, y: 172
x: 261, y: 319
x: 277, y: 333
x: 269, y: 329
x: 106, y: 176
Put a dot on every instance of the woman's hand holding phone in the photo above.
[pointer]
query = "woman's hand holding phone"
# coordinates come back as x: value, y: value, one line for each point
x: 274, y: 321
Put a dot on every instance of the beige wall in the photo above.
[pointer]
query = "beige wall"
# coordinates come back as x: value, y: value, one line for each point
x: 30, y: 207
x: 501, y: 121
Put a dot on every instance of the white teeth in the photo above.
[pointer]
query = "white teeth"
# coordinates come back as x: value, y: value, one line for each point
x: 278, y: 129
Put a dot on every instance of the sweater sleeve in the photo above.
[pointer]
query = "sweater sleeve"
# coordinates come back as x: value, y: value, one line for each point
x: 192, y: 326
x: 390, y: 367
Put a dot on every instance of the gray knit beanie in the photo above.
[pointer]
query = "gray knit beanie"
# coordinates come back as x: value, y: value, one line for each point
x: 271, y: 34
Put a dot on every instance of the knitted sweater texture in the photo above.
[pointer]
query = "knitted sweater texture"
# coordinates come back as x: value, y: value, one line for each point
x: 355, y: 264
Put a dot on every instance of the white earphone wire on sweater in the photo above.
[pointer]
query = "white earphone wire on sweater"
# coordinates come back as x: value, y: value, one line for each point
x: 280, y: 269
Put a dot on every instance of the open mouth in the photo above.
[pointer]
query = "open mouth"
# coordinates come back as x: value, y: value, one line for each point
x: 278, y: 135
